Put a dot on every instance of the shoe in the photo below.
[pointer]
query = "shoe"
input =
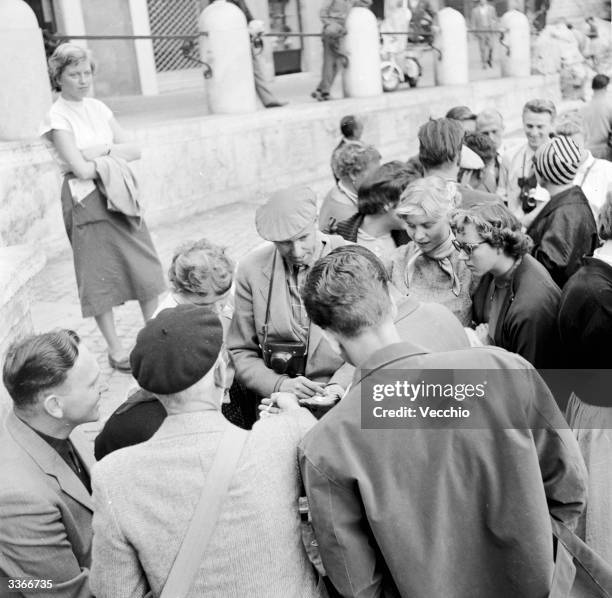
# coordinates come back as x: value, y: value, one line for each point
x: 121, y: 365
x: 276, y: 104
x: 320, y: 96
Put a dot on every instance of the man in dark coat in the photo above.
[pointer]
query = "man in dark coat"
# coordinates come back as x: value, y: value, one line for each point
x: 564, y: 230
x: 437, y: 509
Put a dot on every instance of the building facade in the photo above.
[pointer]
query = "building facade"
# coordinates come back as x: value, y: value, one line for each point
x: 150, y: 67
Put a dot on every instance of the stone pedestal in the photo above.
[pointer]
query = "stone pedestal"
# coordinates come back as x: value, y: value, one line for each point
x: 516, y: 63
x: 226, y: 47
x: 362, y: 77
x: 19, y: 264
x: 451, y: 40
x: 26, y: 92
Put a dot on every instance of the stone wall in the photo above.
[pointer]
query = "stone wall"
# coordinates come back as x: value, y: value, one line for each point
x: 572, y: 10
x: 191, y: 165
x: 18, y: 267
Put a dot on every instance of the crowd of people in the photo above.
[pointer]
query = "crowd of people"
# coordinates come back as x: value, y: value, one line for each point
x: 252, y: 380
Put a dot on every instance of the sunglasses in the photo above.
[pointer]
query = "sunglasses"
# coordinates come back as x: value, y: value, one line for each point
x: 467, y: 248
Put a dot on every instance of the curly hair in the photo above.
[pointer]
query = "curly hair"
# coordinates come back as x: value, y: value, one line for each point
x: 482, y: 145
x: 202, y: 268
x: 66, y: 55
x: 496, y: 225
x: 353, y: 157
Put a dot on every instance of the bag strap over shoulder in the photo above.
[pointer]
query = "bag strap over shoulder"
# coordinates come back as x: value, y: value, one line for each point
x: 197, y: 538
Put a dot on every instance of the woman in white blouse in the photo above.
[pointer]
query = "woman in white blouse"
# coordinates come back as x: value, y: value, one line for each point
x: 114, y: 257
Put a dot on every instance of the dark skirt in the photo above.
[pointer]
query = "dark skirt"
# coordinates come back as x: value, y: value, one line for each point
x: 114, y: 257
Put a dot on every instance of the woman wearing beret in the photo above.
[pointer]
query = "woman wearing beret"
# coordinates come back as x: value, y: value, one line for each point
x: 114, y: 257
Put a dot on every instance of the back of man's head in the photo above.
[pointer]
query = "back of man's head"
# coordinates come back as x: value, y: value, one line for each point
x: 440, y: 142
x: 38, y: 364
x: 347, y: 291
x: 600, y: 81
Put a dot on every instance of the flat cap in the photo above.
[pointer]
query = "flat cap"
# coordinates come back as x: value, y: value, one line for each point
x: 176, y: 349
x: 286, y: 214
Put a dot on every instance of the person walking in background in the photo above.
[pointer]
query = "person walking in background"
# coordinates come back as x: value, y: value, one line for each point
x: 597, y: 116
x: 484, y: 17
x: 114, y: 257
x: 333, y: 15
x: 268, y: 99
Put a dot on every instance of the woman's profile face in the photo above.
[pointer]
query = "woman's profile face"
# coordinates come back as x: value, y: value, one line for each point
x: 425, y: 231
x: 75, y: 80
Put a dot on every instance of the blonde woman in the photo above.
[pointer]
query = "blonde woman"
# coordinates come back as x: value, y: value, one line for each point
x: 428, y: 268
x: 114, y: 257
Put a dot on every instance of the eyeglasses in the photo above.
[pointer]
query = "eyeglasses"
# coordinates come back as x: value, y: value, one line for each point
x: 467, y: 248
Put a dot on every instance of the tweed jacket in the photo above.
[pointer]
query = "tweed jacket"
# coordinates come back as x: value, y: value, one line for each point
x: 246, y: 331
x: 255, y: 548
x: 45, y: 512
x: 436, y: 509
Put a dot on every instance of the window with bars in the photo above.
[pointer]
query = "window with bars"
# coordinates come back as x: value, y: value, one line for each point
x: 172, y: 17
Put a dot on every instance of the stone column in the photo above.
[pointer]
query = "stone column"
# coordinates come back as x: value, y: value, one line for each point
x: 362, y: 77
x: 26, y: 92
x: 226, y: 47
x: 516, y: 63
x: 451, y: 40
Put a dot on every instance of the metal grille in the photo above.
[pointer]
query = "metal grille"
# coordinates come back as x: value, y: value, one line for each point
x: 172, y: 17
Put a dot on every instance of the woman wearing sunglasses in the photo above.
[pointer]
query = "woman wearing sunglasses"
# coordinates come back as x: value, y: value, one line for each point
x: 516, y: 301
x: 428, y: 268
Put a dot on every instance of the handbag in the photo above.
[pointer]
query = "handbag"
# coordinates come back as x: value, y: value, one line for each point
x: 189, y: 558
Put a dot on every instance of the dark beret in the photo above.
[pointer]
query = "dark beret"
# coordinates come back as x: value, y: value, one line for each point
x: 176, y: 349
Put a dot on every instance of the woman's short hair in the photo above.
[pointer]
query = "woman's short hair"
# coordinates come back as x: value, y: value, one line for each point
x: 384, y: 187
x: 66, y: 55
x: 496, y: 225
x: 430, y: 196
x: 38, y: 364
x: 570, y: 123
x: 202, y: 268
x: 353, y: 157
x: 604, y: 220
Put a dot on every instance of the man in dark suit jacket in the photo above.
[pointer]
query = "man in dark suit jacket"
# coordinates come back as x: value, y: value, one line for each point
x: 45, y: 490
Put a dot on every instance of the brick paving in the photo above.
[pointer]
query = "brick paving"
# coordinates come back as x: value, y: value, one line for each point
x: 55, y: 301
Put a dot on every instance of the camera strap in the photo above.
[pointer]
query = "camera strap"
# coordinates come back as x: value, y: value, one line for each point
x: 270, y: 288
